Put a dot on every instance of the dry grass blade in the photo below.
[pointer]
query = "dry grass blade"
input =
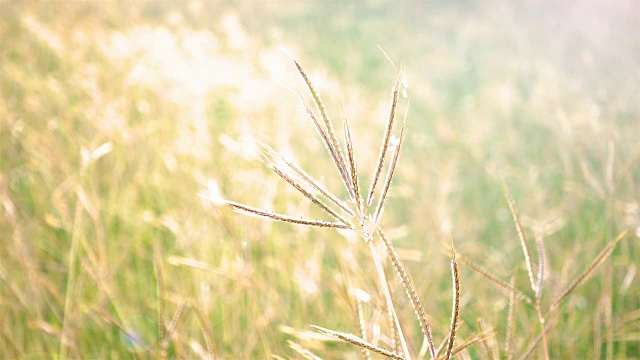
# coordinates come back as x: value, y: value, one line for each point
x: 385, y: 141
x: 588, y: 271
x: 521, y: 236
x: 353, y: 168
x: 411, y: 292
x: 332, y: 139
x: 455, y: 308
x: 284, y: 218
x: 389, y: 177
x: 350, y: 338
x: 486, y: 273
x: 298, y: 186
x: 308, y: 179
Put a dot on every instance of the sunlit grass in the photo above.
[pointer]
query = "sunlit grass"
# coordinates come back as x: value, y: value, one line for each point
x: 112, y: 119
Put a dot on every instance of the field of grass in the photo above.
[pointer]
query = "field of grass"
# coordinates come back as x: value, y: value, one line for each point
x: 114, y: 117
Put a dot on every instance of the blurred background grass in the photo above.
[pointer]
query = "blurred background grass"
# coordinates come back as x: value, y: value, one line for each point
x: 114, y: 115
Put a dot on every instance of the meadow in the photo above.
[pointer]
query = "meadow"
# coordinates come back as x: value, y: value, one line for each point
x: 136, y: 137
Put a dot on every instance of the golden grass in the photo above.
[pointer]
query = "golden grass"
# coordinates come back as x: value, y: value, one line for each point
x: 363, y: 223
x: 110, y: 127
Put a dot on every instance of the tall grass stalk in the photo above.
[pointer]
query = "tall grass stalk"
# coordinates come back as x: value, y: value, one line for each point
x: 355, y: 216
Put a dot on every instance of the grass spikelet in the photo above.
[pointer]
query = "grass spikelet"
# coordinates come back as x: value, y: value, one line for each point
x: 410, y: 291
x: 284, y: 218
x: 538, y: 292
x: 330, y: 132
x: 455, y: 309
x: 385, y: 141
x: 333, y: 149
x: 353, y: 167
x: 597, y: 261
x: 350, y: 338
x: 521, y: 236
x: 387, y: 182
x: 298, y: 186
x: 308, y: 179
